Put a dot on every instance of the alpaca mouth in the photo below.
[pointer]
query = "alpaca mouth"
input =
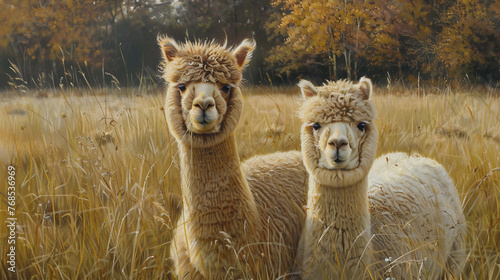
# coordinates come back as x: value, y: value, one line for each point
x: 204, y: 126
x: 332, y: 164
x: 335, y: 163
x: 203, y: 119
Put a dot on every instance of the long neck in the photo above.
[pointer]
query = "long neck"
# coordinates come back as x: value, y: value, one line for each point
x: 215, y: 192
x: 345, y: 219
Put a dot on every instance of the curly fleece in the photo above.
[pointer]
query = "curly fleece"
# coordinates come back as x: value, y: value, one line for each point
x: 202, y: 62
x: 338, y: 101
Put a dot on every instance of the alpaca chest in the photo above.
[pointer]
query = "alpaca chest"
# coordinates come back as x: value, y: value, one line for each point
x: 340, y: 238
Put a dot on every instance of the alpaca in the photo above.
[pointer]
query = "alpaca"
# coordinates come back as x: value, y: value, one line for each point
x: 238, y: 220
x: 406, y: 211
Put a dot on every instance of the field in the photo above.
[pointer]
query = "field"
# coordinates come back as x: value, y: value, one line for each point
x: 97, y: 176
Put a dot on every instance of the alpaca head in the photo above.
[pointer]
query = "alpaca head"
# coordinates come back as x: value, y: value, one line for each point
x: 204, y: 101
x: 338, y: 135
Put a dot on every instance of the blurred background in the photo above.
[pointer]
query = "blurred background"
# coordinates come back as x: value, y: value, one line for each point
x: 89, y: 43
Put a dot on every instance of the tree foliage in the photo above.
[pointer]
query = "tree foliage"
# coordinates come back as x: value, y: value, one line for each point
x: 41, y: 31
x: 438, y: 39
x: 81, y: 41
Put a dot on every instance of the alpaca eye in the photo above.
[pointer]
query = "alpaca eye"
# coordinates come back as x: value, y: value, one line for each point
x: 182, y: 88
x: 316, y: 126
x: 226, y: 88
x: 362, y: 126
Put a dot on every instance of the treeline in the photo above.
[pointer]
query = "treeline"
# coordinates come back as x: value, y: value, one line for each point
x: 85, y: 43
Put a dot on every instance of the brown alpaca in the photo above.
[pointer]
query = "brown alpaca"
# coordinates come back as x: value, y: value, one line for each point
x: 238, y: 220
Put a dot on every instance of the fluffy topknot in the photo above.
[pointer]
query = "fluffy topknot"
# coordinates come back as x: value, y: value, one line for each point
x: 337, y: 101
x: 203, y: 61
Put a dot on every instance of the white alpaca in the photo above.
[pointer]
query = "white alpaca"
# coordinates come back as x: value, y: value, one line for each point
x: 417, y: 190
x: 402, y: 221
x: 237, y: 220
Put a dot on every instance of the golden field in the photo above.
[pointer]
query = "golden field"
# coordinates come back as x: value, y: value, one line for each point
x: 97, y: 176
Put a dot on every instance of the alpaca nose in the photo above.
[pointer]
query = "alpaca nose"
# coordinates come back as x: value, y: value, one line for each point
x: 337, y: 142
x: 204, y: 102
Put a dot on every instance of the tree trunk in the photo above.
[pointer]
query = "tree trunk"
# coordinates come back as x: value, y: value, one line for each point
x: 347, y: 56
x: 355, y: 70
x: 333, y: 66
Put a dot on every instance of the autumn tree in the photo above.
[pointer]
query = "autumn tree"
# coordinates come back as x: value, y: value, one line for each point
x: 445, y: 40
x: 437, y: 40
x: 44, y: 31
x: 469, y: 43
x: 332, y: 29
x: 384, y: 50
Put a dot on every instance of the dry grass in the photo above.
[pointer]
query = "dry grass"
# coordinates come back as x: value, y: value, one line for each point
x: 98, y: 179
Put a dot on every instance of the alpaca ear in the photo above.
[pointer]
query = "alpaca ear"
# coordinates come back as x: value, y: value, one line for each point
x: 169, y: 48
x: 365, y: 87
x: 308, y: 89
x: 243, y: 52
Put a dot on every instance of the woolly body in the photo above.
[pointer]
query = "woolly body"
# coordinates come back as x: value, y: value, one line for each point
x: 238, y: 220
x: 354, y: 221
x: 337, y: 228
x: 417, y: 218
